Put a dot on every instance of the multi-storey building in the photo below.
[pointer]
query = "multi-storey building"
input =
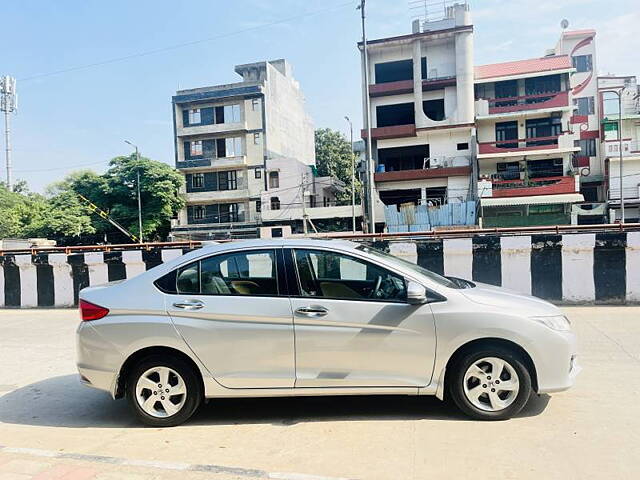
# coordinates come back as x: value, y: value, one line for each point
x: 580, y: 46
x: 610, y: 86
x: 421, y: 109
x: 225, y: 136
x: 526, y: 142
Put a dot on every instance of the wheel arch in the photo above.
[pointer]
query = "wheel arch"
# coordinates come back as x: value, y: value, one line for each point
x: 138, y: 355
x: 492, y: 342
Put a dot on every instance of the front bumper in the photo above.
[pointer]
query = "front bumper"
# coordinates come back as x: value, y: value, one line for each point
x: 558, y: 365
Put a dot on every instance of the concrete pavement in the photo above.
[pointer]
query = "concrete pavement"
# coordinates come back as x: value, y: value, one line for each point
x: 51, y: 427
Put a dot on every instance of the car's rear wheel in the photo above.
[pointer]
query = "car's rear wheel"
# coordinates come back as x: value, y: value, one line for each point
x: 490, y: 383
x: 163, y: 391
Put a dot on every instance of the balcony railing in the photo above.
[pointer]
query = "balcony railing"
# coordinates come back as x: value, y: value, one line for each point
x: 436, y: 167
x: 528, y: 102
x: 538, y: 186
x: 395, y: 131
x: 519, y: 145
x: 406, y: 86
x: 629, y: 148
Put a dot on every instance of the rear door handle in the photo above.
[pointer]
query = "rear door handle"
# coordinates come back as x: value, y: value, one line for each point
x: 189, y: 305
x: 312, y: 311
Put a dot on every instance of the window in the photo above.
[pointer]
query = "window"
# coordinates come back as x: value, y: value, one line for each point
x: 583, y: 63
x: 610, y: 131
x: 188, y: 279
x: 228, y: 180
x: 196, y: 148
x: 233, y: 147
x: 258, y: 206
x: 462, y: 146
x: 198, y: 212
x: 394, y: 71
x: 544, y: 127
x: 585, y: 105
x: 506, y: 89
x: 506, y: 131
x: 231, y: 113
x: 257, y: 173
x: 194, y: 116
x: 399, y: 114
x: 434, y: 109
x: 587, y: 147
x: 256, y: 138
x: 275, y: 203
x: 255, y: 104
x: 197, y: 180
x: 334, y: 275
x: 274, y: 180
x: 246, y: 273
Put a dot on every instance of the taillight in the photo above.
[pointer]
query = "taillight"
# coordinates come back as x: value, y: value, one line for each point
x: 89, y: 311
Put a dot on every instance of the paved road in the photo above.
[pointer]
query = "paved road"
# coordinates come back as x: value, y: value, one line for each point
x: 53, y: 428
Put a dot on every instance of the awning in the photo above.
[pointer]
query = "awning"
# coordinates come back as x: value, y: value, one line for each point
x: 534, y: 200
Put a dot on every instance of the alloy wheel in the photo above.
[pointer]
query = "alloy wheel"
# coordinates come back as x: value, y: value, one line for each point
x: 491, y: 384
x: 161, y: 392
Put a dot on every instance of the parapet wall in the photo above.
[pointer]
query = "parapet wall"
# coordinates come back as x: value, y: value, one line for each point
x: 578, y: 268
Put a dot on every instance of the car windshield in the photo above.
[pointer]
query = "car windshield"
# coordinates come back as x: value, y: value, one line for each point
x: 439, y: 279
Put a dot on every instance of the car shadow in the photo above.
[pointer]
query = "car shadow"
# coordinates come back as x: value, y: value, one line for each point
x: 63, y: 402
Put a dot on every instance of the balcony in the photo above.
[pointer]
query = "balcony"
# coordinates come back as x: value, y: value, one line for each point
x: 213, y: 128
x: 213, y: 162
x: 630, y: 148
x: 524, y: 103
x: 508, y: 148
x: 406, y: 86
x: 216, y: 196
x: 533, y: 187
x: 314, y: 213
x: 396, y: 131
x: 438, y: 168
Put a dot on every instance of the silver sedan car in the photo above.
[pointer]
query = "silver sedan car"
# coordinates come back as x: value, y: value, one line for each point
x: 310, y: 317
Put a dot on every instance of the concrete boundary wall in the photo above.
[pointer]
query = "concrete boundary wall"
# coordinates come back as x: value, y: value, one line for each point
x: 571, y: 268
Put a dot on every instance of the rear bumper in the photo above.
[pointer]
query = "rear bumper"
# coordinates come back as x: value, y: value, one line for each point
x: 99, y: 379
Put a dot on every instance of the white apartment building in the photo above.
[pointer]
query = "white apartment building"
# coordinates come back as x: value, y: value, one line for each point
x: 225, y: 136
x: 422, y: 111
x: 629, y: 135
x: 580, y: 46
x: 526, y: 142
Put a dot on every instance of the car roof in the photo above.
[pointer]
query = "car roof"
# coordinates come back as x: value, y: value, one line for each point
x: 280, y: 242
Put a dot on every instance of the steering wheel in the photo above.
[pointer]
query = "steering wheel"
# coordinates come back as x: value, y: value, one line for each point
x: 374, y: 292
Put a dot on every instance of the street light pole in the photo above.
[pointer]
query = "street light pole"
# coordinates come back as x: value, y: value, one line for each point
x: 353, y: 178
x: 138, y: 189
x: 369, y: 160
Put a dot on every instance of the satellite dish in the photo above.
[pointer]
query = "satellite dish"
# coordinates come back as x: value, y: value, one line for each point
x: 564, y: 23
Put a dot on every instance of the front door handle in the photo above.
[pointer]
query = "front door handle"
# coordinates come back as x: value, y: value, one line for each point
x: 189, y: 305
x: 312, y: 311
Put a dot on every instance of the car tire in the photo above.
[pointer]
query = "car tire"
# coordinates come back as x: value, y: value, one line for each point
x: 473, y: 387
x: 175, y: 401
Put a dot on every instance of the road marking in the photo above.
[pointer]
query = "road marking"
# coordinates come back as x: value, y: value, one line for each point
x: 193, y: 467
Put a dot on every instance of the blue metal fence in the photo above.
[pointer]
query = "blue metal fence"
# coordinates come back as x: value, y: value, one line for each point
x: 417, y: 218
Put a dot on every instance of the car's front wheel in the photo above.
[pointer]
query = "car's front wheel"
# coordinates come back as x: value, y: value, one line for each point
x: 163, y: 391
x: 490, y: 383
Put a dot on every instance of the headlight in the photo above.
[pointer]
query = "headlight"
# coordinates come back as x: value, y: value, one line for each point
x: 555, y: 322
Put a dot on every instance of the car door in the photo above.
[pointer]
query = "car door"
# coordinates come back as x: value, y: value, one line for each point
x: 233, y: 312
x: 353, y: 326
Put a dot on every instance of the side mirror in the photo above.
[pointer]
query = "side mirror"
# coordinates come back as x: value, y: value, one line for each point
x: 416, y: 293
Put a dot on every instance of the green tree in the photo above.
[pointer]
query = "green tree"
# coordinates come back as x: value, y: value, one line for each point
x: 334, y: 157
x: 115, y: 192
x: 61, y: 216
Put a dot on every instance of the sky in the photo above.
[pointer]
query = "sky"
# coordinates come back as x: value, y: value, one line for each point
x: 80, y: 117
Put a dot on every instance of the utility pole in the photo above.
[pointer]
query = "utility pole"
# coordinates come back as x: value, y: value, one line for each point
x: 138, y: 188
x: 304, y: 207
x: 369, y: 160
x: 8, y: 104
x: 353, y: 178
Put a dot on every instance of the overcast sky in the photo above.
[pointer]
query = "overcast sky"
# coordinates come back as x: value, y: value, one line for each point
x: 82, y: 117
